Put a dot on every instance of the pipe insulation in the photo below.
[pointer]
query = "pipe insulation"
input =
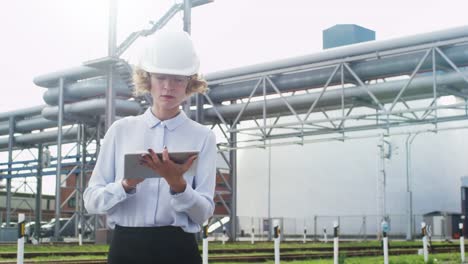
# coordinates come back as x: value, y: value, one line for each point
x: 51, y: 80
x: 366, y: 70
x: 93, y: 108
x: 30, y: 111
x: 23, y: 126
x: 347, y: 51
x: 40, y: 137
x: 420, y: 88
x: 85, y: 89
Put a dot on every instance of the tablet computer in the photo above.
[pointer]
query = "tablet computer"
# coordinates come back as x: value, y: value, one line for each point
x: 133, y: 168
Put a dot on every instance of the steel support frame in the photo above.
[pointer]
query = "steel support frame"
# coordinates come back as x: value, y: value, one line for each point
x: 394, y: 113
x: 386, y: 115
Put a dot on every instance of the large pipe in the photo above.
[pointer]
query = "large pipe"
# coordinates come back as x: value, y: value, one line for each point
x: 51, y: 80
x: 420, y: 88
x: 85, y: 108
x: 30, y: 111
x: 86, y: 89
x: 348, y: 51
x: 331, y: 100
x: 41, y: 137
x: 366, y: 70
x: 378, y: 68
x: 93, y: 107
x: 28, y: 125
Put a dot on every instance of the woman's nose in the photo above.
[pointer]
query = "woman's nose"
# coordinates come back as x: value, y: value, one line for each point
x: 167, y: 84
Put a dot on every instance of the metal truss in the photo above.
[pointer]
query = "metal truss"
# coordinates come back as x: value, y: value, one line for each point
x: 73, y: 165
x: 333, y: 109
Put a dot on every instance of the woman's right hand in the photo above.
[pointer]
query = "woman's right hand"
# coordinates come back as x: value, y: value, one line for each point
x: 130, y: 184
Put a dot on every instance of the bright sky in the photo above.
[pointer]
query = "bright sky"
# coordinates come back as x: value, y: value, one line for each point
x: 44, y: 36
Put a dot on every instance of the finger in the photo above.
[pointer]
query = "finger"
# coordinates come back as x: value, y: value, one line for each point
x: 154, y: 156
x: 186, y: 166
x: 148, y: 162
x: 147, y: 159
x: 165, y: 154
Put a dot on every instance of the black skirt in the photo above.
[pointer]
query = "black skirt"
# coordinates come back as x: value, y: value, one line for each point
x: 161, y: 245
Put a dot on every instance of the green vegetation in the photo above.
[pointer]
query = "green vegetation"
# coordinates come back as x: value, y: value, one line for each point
x: 54, y: 248
x: 345, y: 246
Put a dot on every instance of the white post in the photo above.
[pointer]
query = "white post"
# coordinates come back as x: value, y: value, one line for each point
x: 252, y: 236
x: 205, y: 244
x: 277, y: 234
x: 80, y: 236
x: 325, y: 237
x: 20, y: 253
x: 224, y: 235
x: 305, y: 235
x: 462, y: 243
x: 336, y: 230
x: 385, y: 240
x: 424, y: 239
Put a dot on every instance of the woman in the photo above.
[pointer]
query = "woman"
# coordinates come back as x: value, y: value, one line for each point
x: 155, y: 219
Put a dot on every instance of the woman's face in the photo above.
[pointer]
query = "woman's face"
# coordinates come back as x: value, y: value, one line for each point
x: 168, y: 91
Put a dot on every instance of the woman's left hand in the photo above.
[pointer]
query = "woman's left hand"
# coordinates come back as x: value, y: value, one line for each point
x: 169, y: 170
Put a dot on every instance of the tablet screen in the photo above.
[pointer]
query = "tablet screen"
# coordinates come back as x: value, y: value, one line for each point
x: 133, y: 168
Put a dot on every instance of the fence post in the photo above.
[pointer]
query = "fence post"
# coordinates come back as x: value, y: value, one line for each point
x: 336, y: 230
x: 277, y: 238
x: 424, y: 240
x: 385, y: 229
x: 462, y: 243
x: 315, y: 228
x: 21, y: 227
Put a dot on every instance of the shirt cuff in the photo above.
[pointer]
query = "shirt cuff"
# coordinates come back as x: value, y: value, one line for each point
x: 184, y: 200
x: 122, y: 193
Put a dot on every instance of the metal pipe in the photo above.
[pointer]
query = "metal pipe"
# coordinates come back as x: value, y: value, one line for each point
x: 51, y: 80
x: 45, y: 138
x: 93, y: 107
x: 348, y: 51
x: 331, y: 99
x: 313, y: 78
x: 421, y: 87
x: 86, y: 89
x: 25, y: 112
x: 27, y: 125
x: 382, y: 67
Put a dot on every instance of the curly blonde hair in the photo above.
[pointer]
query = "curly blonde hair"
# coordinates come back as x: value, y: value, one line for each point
x: 142, y: 82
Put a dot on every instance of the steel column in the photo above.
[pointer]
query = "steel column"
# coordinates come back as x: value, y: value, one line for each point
x: 11, y: 142
x: 188, y: 29
x: 82, y: 182
x: 38, y: 205
x: 59, y: 162
x: 112, y: 46
x: 233, y: 173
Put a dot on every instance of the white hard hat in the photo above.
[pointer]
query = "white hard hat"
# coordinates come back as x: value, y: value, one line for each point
x: 170, y: 52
